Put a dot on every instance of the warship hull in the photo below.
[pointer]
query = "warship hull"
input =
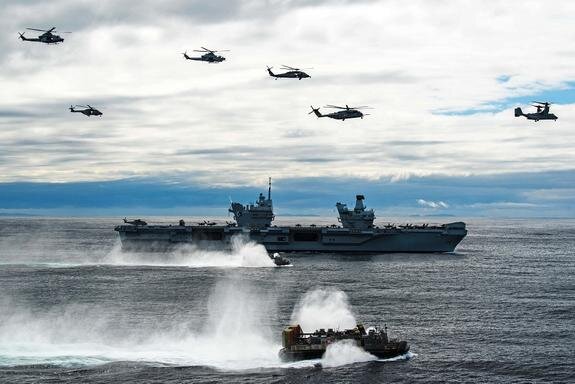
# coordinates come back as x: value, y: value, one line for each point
x: 298, y: 345
x: 163, y: 238
x: 306, y: 352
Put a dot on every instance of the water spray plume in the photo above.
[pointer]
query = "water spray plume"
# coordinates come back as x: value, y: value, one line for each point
x: 234, y: 335
x: 345, y: 352
x: 323, y: 308
x: 243, y: 254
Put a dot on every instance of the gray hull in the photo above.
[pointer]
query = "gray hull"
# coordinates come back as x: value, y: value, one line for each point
x: 156, y: 238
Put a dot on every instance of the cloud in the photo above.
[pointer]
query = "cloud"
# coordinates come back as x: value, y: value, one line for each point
x: 432, y: 204
x: 534, y: 194
x: 230, y: 124
x: 561, y: 94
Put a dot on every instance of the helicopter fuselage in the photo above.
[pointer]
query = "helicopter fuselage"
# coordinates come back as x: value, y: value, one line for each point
x: 540, y: 116
x: 208, y: 57
x: 87, y: 112
x: 46, y: 38
x: 536, y: 116
x: 345, y: 114
x: 290, y: 75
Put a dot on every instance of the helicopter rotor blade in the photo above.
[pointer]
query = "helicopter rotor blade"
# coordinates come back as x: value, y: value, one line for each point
x: 294, y: 69
x: 39, y: 30
x: 542, y: 102
x: 347, y: 107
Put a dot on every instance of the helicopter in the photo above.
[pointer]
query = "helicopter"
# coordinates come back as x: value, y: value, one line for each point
x: 88, y: 111
x: 292, y: 73
x: 207, y: 223
x: 137, y: 222
x: 209, y: 56
x: 47, y: 37
x: 541, y: 114
x: 346, y: 112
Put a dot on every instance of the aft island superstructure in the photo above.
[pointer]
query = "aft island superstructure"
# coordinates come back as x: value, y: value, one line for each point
x: 356, y: 234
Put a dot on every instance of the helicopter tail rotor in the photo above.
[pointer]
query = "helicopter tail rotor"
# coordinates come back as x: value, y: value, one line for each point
x: 315, y: 111
x: 518, y: 112
x: 270, y: 72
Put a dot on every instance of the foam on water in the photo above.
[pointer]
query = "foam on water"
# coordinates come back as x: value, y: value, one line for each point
x: 345, y: 352
x: 243, y: 254
x: 234, y: 336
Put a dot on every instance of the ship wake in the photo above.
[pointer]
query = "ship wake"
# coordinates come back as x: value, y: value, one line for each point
x: 232, y: 335
x: 243, y: 253
x: 235, y: 333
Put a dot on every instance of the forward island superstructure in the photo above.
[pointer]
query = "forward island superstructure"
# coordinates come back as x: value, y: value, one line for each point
x: 356, y: 234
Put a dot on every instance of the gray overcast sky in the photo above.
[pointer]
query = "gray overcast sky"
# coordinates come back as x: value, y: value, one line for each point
x: 427, y: 68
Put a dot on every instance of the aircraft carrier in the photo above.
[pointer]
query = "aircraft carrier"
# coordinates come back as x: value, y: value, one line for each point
x: 355, y: 234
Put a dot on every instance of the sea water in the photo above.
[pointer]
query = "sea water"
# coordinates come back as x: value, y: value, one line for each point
x: 74, y: 308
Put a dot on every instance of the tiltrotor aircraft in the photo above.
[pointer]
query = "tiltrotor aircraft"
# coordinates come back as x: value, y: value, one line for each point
x: 88, y: 110
x: 47, y: 37
x: 292, y: 73
x: 346, y: 112
x: 209, y: 56
x: 541, y: 114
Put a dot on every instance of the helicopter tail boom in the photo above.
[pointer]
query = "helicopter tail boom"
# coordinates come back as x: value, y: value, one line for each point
x: 24, y: 38
x: 316, y: 112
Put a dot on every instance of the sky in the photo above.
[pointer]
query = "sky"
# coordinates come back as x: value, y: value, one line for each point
x: 442, y: 77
